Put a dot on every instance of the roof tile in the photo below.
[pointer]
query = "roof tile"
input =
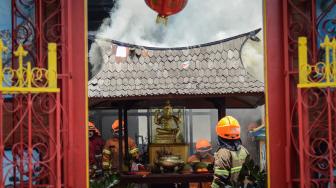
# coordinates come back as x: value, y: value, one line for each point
x: 214, y: 68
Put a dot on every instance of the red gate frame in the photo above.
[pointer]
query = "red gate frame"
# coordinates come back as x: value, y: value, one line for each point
x: 73, y: 93
x: 75, y: 30
x: 275, y: 50
x: 275, y: 89
x: 275, y: 92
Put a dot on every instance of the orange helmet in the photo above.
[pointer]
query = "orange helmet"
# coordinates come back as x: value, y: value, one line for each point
x: 228, y: 128
x: 92, y: 126
x: 203, y: 145
x: 115, y: 125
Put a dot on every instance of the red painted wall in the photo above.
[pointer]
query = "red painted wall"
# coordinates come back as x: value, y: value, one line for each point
x: 75, y: 89
x: 275, y: 92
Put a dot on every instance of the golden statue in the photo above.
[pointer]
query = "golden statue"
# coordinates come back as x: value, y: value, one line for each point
x: 169, y: 125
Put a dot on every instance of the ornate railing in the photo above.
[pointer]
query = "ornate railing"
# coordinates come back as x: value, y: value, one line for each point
x: 323, y: 73
x: 27, y: 78
x: 310, y: 96
x: 34, y: 103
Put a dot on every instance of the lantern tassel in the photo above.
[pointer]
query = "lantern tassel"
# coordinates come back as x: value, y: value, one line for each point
x: 162, y: 19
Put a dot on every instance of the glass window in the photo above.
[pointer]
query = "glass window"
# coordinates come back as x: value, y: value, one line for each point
x: 143, y: 130
x: 106, y: 129
x: 201, y: 127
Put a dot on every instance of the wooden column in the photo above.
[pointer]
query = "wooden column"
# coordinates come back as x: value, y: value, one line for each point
x: 120, y: 139
x: 126, y: 136
x: 221, y: 110
x: 219, y: 103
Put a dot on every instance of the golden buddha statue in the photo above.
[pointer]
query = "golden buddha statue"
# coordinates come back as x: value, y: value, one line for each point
x: 169, y: 125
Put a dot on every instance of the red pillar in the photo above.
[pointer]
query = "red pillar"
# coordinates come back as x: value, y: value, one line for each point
x: 275, y: 92
x: 75, y: 89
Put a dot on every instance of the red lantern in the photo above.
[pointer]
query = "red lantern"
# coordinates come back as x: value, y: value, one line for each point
x: 165, y: 8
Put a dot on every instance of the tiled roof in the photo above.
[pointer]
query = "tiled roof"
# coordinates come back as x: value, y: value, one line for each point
x: 212, y: 68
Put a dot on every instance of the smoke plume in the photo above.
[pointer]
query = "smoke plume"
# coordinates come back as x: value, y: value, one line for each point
x: 132, y: 21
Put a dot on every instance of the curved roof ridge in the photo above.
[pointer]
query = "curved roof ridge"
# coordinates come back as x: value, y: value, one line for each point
x: 211, y: 68
x: 241, y: 59
x: 254, y: 32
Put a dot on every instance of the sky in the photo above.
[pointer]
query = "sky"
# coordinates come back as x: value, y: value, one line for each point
x: 200, y: 22
x: 5, y: 14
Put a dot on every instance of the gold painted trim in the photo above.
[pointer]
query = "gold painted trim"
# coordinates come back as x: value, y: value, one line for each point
x: 266, y: 97
x: 324, y: 70
x: 28, y: 76
x: 86, y: 91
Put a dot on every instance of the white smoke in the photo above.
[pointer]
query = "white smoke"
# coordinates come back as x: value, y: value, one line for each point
x: 253, y: 58
x: 200, y: 22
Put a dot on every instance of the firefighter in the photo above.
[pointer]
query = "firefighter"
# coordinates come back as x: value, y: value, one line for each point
x: 203, y: 149
x: 111, y: 149
x: 230, y: 156
x: 96, y: 144
x: 202, y: 155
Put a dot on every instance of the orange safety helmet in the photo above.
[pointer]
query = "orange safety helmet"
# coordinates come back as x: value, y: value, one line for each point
x: 92, y: 126
x: 228, y: 128
x: 203, y: 145
x: 115, y: 125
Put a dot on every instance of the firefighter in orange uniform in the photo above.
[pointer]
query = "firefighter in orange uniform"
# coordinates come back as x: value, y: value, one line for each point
x: 96, y: 144
x: 231, y: 155
x: 111, y: 149
x: 202, y: 155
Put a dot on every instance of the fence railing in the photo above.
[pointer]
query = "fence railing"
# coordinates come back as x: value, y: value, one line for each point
x: 321, y: 74
x: 27, y: 78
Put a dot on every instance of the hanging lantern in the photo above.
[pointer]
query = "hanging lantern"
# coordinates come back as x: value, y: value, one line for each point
x: 166, y: 8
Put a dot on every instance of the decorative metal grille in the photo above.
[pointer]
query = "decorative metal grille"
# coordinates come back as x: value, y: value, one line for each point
x: 33, y: 124
x: 310, y: 107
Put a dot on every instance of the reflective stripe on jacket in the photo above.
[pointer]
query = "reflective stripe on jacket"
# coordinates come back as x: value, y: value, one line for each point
x: 228, y: 165
x: 208, y: 159
x: 111, y: 152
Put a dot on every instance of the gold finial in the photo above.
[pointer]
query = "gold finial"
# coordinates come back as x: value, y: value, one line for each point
x: 24, y: 81
x: 20, y: 52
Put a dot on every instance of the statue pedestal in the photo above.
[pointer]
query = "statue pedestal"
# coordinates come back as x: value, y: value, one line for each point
x: 168, y: 136
x: 175, y: 149
x: 165, y: 139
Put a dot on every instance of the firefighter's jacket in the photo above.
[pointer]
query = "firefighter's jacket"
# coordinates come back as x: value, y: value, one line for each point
x: 208, y: 159
x: 96, y: 145
x: 227, y: 167
x: 111, y: 152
